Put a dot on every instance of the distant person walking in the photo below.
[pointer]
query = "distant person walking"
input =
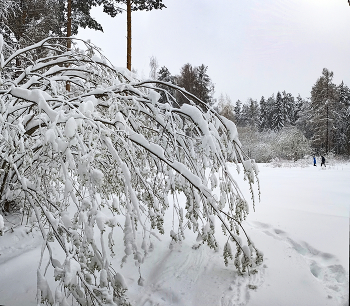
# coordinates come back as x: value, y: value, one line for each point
x: 323, y: 161
x: 314, y: 161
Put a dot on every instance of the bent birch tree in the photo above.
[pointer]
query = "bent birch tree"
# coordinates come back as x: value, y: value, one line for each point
x: 77, y: 163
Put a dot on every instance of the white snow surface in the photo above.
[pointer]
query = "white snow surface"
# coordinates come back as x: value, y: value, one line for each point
x: 301, y: 225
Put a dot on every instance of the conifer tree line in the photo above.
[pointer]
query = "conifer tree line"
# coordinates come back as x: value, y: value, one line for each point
x: 271, y: 113
x: 319, y: 124
x: 323, y: 119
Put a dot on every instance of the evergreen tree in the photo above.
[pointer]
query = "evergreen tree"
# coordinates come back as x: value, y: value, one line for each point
x: 204, y: 88
x: 186, y: 80
x: 33, y: 20
x: 7, y: 7
x: 8, y: 44
x: 245, y: 115
x: 324, y: 112
x: 238, y: 112
x: 288, y: 108
x: 81, y: 13
x: 196, y: 81
x: 263, y: 120
x: 254, y: 111
x: 342, y: 133
x: 344, y: 94
x: 303, y: 122
x: 270, y: 107
x: 278, y: 119
x: 77, y: 14
x: 251, y: 113
x: 164, y: 75
x: 298, y: 106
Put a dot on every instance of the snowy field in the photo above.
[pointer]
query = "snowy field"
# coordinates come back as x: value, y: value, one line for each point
x: 301, y: 225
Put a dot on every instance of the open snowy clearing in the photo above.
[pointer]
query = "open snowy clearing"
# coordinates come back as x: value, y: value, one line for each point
x: 301, y: 225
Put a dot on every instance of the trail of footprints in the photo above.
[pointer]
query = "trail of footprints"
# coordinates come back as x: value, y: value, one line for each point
x: 188, y: 269
x: 233, y: 290
x: 323, y: 266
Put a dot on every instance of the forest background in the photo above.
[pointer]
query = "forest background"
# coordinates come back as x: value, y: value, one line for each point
x: 277, y: 126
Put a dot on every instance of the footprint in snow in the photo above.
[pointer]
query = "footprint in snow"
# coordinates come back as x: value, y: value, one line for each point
x: 173, y: 276
x: 323, y: 266
x: 238, y: 294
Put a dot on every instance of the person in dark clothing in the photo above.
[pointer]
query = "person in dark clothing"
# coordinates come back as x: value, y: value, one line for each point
x: 323, y: 161
x: 314, y: 161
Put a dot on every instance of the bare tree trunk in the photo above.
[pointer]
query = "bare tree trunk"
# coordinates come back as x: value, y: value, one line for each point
x: 69, y: 32
x: 327, y: 133
x: 20, y: 31
x: 128, y: 22
x: 327, y: 114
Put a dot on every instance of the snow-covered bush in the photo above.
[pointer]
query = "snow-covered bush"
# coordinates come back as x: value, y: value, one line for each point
x: 290, y: 143
x: 287, y: 144
x: 78, y: 162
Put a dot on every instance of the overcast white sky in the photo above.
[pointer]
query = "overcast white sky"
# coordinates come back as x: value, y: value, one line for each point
x: 252, y: 47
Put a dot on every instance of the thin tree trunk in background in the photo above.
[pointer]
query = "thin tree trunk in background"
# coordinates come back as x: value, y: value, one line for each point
x: 20, y: 32
x: 69, y: 32
x: 327, y: 101
x: 327, y: 139
x: 128, y: 22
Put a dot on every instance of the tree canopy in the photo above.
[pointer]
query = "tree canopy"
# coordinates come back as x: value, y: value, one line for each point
x: 33, y: 20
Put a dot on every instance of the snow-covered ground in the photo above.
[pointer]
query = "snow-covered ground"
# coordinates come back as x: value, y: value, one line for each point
x: 301, y: 225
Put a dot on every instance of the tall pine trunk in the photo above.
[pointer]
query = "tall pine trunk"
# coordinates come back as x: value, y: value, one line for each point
x: 69, y: 31
x: 20, y: 31
x: 128, y: 22
x: 69, y: 23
